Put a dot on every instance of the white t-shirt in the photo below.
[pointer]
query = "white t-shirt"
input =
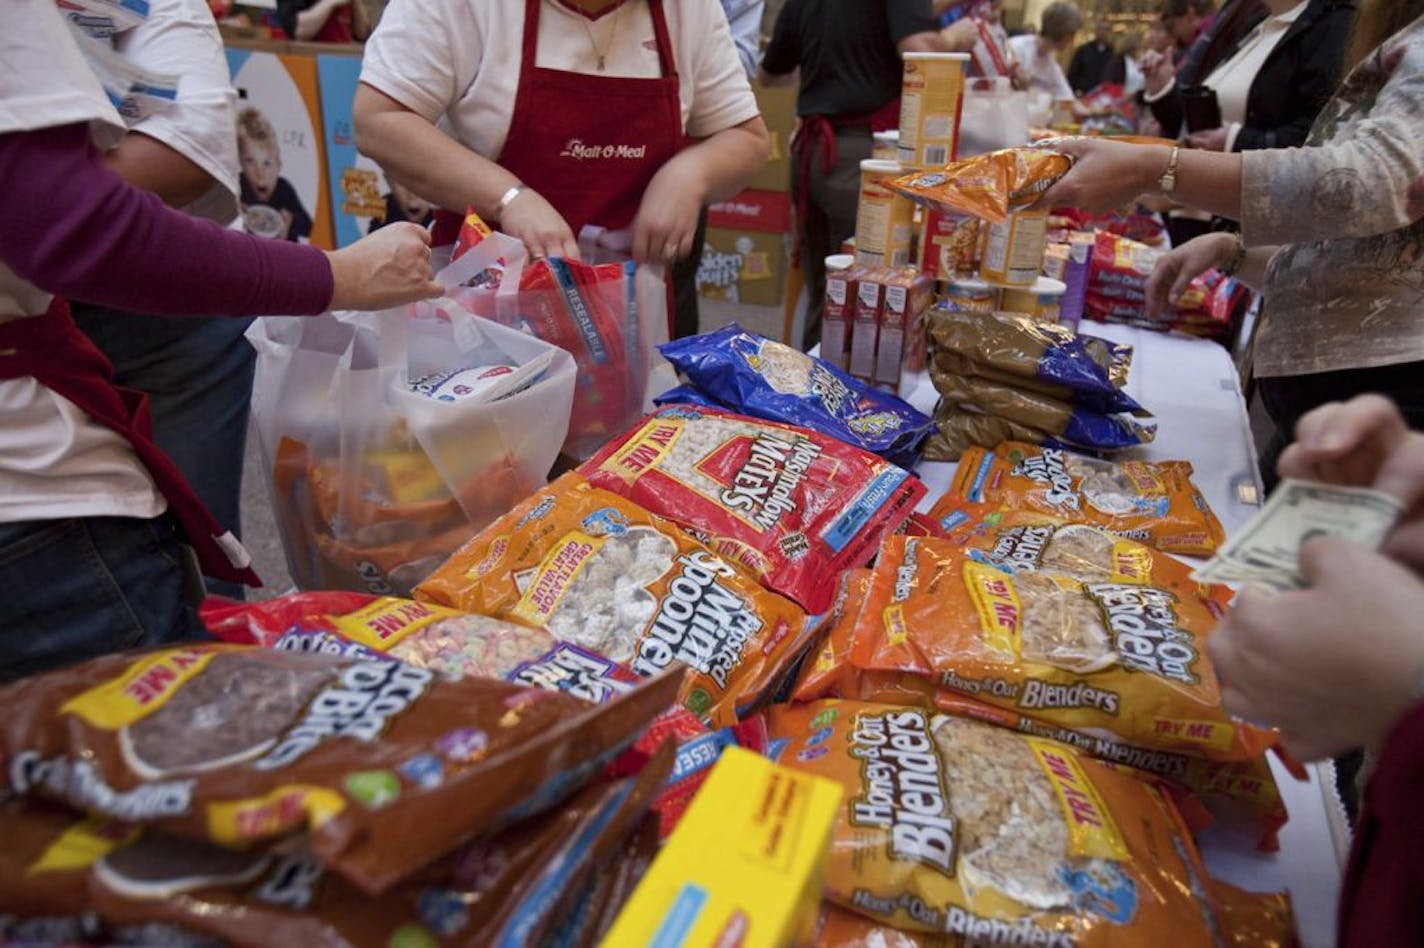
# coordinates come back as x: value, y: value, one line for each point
x: 54, y: 461
x: 180, y: 37
x: 456, y: 62
x: 1044, y: 71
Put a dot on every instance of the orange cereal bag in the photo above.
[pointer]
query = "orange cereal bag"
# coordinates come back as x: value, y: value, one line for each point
x: 986, y: 186
x: 956, y: 827
x: 1255, y: 919
x: 601, y: 572
x: 1152, y: 502
x: 1115, y: 653
x: 844, y: 929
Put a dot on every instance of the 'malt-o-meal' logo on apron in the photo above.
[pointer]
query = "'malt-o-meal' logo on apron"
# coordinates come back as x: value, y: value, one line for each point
x: 576, y: 149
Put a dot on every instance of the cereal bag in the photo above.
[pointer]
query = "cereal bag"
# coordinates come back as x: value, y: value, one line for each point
x: 957, y: 827
x: 986, y: 186
x: 792, y: 506
x: 845, y: 929
x: 385, y: 766
x: 1017, y: 346
x: 1153, y: 502
x: 1067, y: 423
x: 744, y: 372
x: 1109, y: 648
x: 948, y: 361
x: 956, y: 431
x: 601, y: 572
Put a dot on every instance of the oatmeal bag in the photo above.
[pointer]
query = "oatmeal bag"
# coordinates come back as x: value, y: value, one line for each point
x: 792, y: 506
x: 961, y: 828
x: 386, y: 766
x: 601, y: 572
x: 751, y: 374
x: 1153, y: 502
x: 1117, y: 651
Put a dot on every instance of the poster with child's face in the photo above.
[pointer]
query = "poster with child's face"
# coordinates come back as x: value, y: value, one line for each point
x: 279, y: 147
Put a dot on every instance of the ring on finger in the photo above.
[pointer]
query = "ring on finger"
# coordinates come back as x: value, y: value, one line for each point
x: 670, y: 251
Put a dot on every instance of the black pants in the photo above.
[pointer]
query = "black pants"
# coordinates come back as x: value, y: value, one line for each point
x: 1287, y: 397
x: 829, y: 219
x: 684, y: 284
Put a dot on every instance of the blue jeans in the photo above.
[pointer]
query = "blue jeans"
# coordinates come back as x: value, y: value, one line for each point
x: 83, y: 587
x: 198, y: 376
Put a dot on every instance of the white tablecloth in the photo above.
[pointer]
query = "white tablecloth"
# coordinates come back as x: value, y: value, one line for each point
x: 1192, y: 388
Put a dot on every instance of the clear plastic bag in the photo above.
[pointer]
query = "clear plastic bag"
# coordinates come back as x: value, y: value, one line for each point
x: 391, y: 438
x: 994, y: 116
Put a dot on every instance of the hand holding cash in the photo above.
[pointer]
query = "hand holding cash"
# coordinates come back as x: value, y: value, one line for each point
x: 1266, y: 551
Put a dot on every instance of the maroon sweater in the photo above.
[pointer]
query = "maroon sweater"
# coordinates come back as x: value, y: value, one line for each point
x: 72, y: 227
x: 1382, y: 903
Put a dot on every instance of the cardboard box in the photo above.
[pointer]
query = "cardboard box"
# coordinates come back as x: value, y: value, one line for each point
x: 865, y: 327
x: 900, y: 348
x: 837, y: 315
x: 744, y: 867
x: 280, y: 99
x: 778, y: 111
x: 747, y: 251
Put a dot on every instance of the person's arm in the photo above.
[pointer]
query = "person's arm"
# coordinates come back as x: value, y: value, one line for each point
x: 304, y: 25
x: 185, y: 153
x: 1107, y: 175
x: 360, y: 20
x: 783, y: 51
x: 148, y: 163
x: 913, y: 27
x: 98, y: 239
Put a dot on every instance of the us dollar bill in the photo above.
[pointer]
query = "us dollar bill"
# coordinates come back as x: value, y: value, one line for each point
x: 1266, y: 551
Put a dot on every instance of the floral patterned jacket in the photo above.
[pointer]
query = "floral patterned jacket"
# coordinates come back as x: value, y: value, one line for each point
x: 1346, y: 289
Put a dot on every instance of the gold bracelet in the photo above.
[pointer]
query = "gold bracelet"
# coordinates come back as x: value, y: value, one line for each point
x: 1238, y: 257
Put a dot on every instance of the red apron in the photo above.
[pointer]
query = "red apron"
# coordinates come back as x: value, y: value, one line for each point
x: 589, y: 143
x: 62, y: 359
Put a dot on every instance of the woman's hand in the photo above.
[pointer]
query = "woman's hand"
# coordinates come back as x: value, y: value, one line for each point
x: 1105, y: 174
x: 1334, y: 665
x: 667, y: 217
x: 543, y: 230
x: 1177, y: 268
x: 1366, y: 442
x: 1157, y: 71
x: 389, y: 268
x: 1212, y: 139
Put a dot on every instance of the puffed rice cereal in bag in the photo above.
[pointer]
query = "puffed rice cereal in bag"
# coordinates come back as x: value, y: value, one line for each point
x: 792, y: 506
x: 601, y: 572
x: 1112, y: 651
x: 953, y: 826
x: 1153, y: 502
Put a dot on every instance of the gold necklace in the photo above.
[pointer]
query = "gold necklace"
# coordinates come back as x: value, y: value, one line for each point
x: 612, y: 36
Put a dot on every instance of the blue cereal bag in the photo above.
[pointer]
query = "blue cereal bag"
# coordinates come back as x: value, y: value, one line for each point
x: 753, y: 375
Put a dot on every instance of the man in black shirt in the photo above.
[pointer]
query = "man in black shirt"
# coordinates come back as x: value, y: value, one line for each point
x: 848, y: 53
x: 1091, y: 60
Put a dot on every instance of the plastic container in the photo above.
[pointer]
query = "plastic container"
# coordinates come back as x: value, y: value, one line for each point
x: 971, y: 295
x: 1043, y: 301
x: 931, y: 101
x: 883, y: 218
x: 1013, y: 250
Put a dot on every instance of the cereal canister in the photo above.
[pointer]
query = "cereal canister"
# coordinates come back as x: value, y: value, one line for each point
x: 970, y: 295
x: 1042, y: 301
x: 931, y: 96
x: 1013, y: 250
x: 883, y: 218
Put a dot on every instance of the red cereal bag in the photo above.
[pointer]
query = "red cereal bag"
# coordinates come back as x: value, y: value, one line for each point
x: 793, y: 506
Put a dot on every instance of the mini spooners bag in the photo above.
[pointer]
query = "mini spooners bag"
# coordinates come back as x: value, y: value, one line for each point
x: 387, y: 766
x: 601, y: 572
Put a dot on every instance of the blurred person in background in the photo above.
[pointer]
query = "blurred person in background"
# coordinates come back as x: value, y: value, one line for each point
x: 1186, y: 22
x: 1038, y: 54
x: 324, y: 21
x: 847, y: 57
x: 1091, y: 61
x: 744, y: 19
x: 93, y: 515
x: 1339, y: 666
x: 623, y: 114
x: 1126, y: 69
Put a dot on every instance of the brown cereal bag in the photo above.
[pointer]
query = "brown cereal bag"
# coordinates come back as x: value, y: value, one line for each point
x: 986, y: 186
x: 957, y: 827
x: 1113, y: 652
x: 956, y: 431
x: 387, y: 767
x: 1065, y: 422
x: 1255, y: 919
x: 601, y: 572
x: 1151, y: 502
